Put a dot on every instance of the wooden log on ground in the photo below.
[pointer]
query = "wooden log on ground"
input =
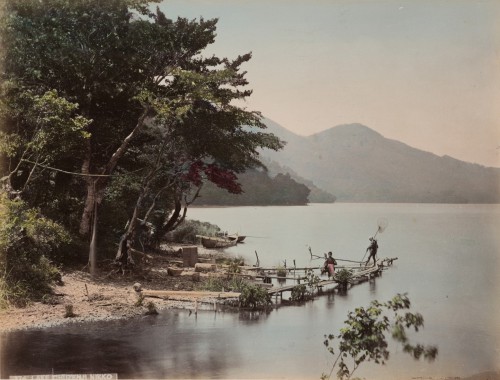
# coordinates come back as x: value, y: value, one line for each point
x: 205, y: 267
x: 175, y: 272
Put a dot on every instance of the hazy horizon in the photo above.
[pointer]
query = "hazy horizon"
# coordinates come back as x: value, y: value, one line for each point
x: 425, y: 73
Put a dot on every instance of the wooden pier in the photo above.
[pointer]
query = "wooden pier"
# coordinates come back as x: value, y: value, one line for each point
x: 357, y: 276
x: 362, y: 273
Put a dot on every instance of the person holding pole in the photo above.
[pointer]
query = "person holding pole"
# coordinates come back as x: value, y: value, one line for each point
x: 373, y: 248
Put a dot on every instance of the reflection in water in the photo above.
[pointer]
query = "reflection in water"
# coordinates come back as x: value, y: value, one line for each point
x: 253, y: 315
x: 373, y: 285
x: 460, y: 316
x: 43, y: 352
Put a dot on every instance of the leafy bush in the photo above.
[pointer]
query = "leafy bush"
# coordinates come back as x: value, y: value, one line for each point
x: 364, y: 337
x: 303, y: 292
x: 187, y: 231
x: 28, y: 242
x: 299, y: 293
x: 220, y: 284
x: 230, y: 260
x: 343, y: 277
x: 254, y: 297
x: 234, y: 265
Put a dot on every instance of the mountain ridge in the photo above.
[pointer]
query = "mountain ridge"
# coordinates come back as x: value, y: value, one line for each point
x: 357, y: 164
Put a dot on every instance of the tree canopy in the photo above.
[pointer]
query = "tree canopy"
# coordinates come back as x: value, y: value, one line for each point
x: 108, y: 105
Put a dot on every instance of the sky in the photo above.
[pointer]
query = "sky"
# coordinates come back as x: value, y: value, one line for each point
x: 423, y: 72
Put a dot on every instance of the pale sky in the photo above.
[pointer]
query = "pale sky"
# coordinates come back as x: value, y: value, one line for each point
x: 424, y: 72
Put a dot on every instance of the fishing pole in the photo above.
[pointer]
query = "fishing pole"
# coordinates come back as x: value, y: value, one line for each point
x: 315, y: 257
x: 350, y: 261
x: 382, y: 224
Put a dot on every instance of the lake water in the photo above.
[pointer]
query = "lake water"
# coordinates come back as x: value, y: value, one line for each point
x: 448, y: 262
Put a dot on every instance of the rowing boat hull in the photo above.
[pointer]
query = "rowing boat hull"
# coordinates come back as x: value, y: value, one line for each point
x: 213, y: 242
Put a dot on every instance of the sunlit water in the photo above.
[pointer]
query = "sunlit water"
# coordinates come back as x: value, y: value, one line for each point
x: 448, y: 262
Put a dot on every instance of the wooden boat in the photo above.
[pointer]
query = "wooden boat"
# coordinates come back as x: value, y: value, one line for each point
x: 238, y: 238
x: 217, y: 242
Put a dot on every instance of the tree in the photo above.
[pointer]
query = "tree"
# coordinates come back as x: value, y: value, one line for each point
x: 364, y: 337
x: 125, y: 70
x: 28, y: 242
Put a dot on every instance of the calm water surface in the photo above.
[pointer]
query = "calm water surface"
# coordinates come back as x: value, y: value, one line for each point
x: 448, y: 264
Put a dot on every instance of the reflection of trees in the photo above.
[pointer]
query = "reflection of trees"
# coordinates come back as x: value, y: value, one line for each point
x: 180, y: 345
x: 173, y: 344
x: 77, y: 351
x: 253, y: 315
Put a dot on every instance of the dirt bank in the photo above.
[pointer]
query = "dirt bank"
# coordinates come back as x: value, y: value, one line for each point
x: 106, y: 296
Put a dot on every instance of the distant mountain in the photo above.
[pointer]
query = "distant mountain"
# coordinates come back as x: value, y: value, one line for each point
x: 357, y: 164
x: 316, y: 194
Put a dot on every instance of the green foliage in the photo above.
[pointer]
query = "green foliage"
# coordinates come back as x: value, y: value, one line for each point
x: 343, y: 276
x: 140, y: 300
x: 90, y: 87
x: 259, y: 189
x: 187, y: 231
x: 306, y: 291
x: 312, y: 280
x: 281, y: 271
x: 254, y: 297
x: 224, y: 284
x: 27, y: 243
x: 234, y: 267
x: 299, y: 293
x: 363, y: 339
x: 230, y: 260
x: 151, y: 308
x: 68, y: 311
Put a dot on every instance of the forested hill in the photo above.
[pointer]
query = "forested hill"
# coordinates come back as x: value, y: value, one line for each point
x: 258, y: 189
x: 357, y: 164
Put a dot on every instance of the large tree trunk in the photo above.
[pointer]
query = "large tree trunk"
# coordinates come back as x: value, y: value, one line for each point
x: 93, y: 244
x: 124, y: 254
x: 90, y: 199
x: 96, y: 185
x: 88, y: 209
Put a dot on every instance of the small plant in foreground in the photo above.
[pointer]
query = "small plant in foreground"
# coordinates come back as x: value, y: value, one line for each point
x: 140, y: 300
x: 299, y: 293
x: 68, y: 311
x: 363, y: 339
x: 254, y: 297
x: 151, y: 308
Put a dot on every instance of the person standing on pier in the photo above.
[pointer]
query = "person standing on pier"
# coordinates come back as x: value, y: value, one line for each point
x: 373, y: 248
x: 330, y: 263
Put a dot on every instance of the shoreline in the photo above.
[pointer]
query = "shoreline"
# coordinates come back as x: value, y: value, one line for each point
x: 104, y: 298
x: 104, y: 303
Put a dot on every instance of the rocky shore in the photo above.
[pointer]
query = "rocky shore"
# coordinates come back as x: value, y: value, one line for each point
x: 107, y: 297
